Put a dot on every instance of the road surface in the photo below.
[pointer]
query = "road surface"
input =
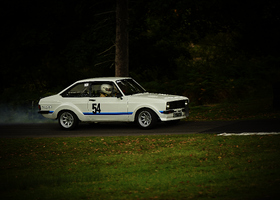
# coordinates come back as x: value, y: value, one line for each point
x: 124, y: 129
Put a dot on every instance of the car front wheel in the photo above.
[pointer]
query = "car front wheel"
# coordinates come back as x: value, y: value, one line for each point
x: 68, y: 120
x: 146, y: 118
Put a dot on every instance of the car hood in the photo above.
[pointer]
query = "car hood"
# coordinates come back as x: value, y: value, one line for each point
x: 166, y: 97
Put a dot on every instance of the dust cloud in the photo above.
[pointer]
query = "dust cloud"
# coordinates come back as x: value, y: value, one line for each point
x: 21, y: 114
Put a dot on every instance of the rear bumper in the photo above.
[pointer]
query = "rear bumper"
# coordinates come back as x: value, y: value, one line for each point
x: 45, y: 112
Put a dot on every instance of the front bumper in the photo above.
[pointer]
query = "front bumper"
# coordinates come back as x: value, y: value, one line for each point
x: 184, y: 110
x: 175, y: 114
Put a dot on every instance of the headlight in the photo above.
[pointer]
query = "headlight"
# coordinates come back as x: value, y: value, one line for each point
x: 167, y: 106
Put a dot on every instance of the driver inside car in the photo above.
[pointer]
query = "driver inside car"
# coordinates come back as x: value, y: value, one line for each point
x: 106, y: 90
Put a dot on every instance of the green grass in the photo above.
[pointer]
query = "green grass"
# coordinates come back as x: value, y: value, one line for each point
x: 201, y: 166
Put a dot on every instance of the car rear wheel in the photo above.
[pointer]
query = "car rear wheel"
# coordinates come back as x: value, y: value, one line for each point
x: 146, y: 118
x: 68, y: 120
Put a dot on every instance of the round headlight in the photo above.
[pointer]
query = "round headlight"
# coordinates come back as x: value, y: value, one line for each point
x: 167, y: 106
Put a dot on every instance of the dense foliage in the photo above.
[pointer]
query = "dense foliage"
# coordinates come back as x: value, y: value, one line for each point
x: 207, y: 50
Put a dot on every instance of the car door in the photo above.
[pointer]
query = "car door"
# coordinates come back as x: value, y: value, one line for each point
x: 106, y: 104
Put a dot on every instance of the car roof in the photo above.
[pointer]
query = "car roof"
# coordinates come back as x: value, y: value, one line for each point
x: 96, y: 79
x: 104, y: 79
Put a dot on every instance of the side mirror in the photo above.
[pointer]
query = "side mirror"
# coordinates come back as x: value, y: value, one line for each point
x: 119, y: 96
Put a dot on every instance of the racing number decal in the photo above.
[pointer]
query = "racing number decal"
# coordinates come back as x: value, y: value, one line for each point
x: 96, y: 108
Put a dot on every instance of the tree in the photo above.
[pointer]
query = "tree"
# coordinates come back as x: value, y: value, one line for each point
x: 121, y: 57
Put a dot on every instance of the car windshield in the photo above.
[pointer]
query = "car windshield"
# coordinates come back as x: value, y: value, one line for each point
x: 130, y: 87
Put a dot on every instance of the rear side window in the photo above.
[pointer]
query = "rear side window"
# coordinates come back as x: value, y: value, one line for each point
x: 78, y: 90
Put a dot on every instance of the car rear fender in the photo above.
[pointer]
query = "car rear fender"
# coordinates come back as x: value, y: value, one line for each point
x: 72, y: 108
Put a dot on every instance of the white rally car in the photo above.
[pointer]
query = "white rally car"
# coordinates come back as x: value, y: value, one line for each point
x: 112, y: 99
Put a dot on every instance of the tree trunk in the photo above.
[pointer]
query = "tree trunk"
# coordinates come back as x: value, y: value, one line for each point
x: 121, y: 57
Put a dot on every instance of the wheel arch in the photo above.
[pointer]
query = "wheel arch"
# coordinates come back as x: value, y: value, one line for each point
x: 69, y: 110
x: 72, y: 108
x: 142, y: 108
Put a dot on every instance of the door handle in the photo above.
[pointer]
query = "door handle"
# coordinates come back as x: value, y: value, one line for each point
x: 92, y: 99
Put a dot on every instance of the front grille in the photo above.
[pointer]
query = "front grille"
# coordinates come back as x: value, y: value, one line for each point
x: 176, y: 104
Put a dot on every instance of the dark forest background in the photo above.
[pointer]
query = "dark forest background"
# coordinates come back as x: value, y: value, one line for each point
x: 210, y: 51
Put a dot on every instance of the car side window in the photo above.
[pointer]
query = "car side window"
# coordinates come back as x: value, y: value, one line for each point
x: 78, y: 90
x: 104, y: 89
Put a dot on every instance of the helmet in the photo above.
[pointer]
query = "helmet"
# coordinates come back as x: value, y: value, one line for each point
x: 106, y: 88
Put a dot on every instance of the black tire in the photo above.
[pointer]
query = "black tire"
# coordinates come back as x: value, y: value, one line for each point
x: 146, y: 118
x: 68, y: 120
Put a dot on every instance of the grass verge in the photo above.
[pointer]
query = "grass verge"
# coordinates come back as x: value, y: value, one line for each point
x: 200, y: 166
x: 246, y: 109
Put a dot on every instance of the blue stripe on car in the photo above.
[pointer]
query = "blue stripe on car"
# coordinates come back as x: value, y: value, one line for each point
x: 108, y: 113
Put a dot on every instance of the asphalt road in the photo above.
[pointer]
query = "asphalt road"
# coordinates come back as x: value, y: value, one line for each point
x: 124, y: 129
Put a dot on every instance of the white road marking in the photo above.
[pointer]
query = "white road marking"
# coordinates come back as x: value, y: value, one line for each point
x: 245, y: 134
